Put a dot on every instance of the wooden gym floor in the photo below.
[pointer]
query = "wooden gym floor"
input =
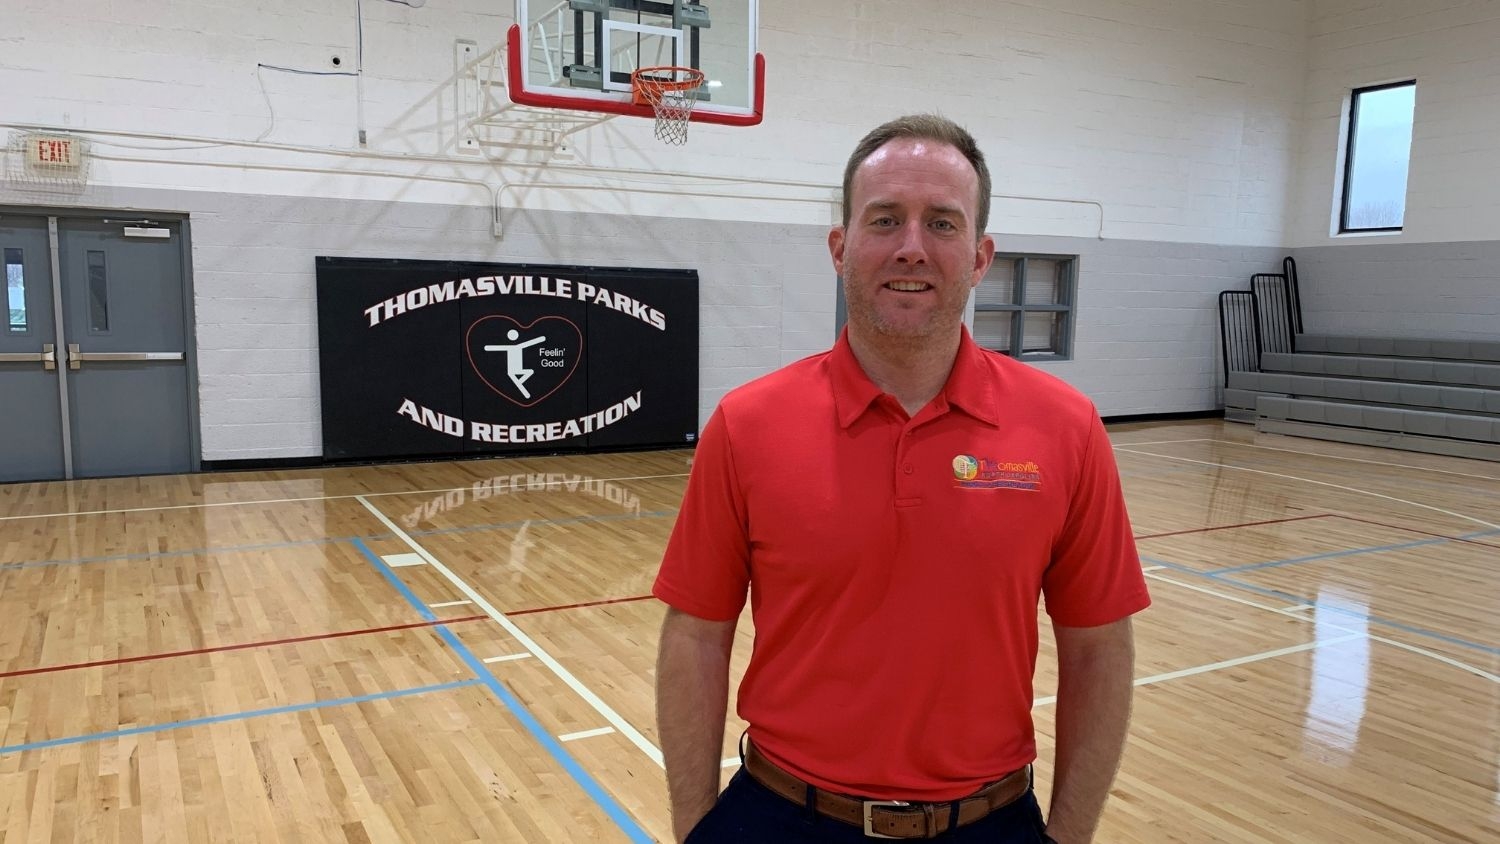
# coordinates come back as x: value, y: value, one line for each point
x: 463, y: 651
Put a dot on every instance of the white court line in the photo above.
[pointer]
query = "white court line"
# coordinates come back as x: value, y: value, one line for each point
x: 581, y: 734
x: 429, y: 491
x: 652, y: 751
x: 448, y: 604
x: 1301, y: 616
x: 398, y: 561
x: 1493, y: 678
x: 1358, y: 460
x: 1319, y: 454
x: 529, y: 486
x: 506, y: 658
x: 730, y: 762
x: 1205, y: 590
x: 1296, y: 608
x: 1228, y: 663
x: 1319, y: 483
x: 307, y: 498
x: 1152, y: 568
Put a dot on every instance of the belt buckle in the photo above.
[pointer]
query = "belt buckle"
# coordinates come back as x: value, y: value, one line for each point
x: 871, y: 805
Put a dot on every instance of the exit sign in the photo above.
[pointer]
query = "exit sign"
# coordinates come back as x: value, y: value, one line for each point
x: 53, y: 151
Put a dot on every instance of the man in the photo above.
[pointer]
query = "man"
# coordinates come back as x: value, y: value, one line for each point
x: 896, y: 507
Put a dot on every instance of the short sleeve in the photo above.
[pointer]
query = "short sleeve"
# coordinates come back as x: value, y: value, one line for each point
x: 706, y: 569
x: 1095, y: 575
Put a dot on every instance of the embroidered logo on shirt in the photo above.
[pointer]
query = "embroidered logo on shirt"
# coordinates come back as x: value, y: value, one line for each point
x: 970, y: 472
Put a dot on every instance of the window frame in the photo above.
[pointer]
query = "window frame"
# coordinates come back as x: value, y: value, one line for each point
x: 1018, y: 307
x: 1349, y: 138
x: 96, y: 306
x: 10, y: 328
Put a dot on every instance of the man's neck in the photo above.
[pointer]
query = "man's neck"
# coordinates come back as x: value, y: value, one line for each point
x: 914, y: 373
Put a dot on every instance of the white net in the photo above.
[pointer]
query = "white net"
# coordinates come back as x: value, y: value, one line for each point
x: 672, y: 93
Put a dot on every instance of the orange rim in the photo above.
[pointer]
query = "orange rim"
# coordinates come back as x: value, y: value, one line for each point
x: 647, y: 83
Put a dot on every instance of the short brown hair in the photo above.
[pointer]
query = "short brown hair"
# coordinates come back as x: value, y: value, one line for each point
x: 926, y: 127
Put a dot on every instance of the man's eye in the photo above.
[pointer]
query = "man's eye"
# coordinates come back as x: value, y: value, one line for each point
x: 944, y: 225
x: 885, y: 222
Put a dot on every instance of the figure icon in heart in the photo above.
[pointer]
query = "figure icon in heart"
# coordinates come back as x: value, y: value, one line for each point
x: 524, y: 363
x: 515, y: 362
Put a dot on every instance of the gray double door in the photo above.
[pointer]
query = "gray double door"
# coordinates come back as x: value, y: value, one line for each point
x: 93, y: 349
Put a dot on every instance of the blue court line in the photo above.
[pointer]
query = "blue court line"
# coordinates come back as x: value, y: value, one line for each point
x: 230, y: 549
x: 1351, y: 552
x: 237, y: 716
x: 1331, y: 607
x: 601, y: 797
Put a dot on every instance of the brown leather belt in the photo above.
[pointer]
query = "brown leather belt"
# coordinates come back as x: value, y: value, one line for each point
x: 888, y: 818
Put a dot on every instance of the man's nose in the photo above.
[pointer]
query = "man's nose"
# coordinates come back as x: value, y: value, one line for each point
x: 913, y: 247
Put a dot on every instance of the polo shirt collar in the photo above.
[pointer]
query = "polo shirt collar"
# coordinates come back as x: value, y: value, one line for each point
x: 970, y: 386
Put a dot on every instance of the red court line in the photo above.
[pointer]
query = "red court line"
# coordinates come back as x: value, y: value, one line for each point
x: 579, y: 606
x: 1414, y: 530
x: 1230, y: 527
x: 243, y: 646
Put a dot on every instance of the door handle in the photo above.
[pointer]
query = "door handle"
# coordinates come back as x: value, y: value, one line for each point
x: 76, y: 358
x: 47, y: 358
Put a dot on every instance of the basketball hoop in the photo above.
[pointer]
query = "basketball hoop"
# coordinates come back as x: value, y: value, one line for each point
x: 671, y: 92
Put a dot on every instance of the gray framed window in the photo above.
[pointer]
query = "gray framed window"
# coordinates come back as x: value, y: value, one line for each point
x: 98, y: 293
x: 16, y: 321
x: 1377, y: 157
x: 1024, y: 306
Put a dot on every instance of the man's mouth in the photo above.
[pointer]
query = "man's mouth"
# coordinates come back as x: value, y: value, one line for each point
x: 908, y: 286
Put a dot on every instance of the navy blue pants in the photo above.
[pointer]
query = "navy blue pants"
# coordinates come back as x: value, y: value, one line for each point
x: 749, y: 813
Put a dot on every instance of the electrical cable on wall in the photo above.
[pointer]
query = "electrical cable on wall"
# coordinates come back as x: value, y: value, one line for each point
x: 270, y: 109
x: 359, y: 71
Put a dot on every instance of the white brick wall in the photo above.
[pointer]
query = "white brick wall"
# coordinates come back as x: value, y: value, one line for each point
x: 1389, y: 284
x: 1178, y: 118
x: 1449, y: 47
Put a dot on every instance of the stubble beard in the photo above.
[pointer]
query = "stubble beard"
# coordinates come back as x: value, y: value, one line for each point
x: 866, y: 317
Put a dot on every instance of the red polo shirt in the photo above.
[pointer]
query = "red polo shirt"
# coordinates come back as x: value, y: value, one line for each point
x: 894, y: 564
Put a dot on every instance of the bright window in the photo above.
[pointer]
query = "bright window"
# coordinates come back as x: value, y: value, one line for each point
x: 15, y: 292
x: 1377, y: 157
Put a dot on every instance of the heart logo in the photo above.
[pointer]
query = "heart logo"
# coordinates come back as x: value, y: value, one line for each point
x: 524, y: 363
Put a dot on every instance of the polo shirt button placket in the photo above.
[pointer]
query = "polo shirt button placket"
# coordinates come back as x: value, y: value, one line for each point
x: 906, y: 485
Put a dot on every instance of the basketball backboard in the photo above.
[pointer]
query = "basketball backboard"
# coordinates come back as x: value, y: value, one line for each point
x: 579, y: 54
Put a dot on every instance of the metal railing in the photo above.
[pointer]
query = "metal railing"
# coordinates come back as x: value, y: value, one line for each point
x: 1294, y: 300
x: 1239, y: 332
x: 1265, y: 318
x: 1273, y: 295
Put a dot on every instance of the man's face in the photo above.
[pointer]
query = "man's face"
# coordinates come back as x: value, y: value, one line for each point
x: 909, y: 256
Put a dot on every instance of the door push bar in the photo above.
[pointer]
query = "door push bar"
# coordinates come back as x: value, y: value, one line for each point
x: 47, y: 358
x: 76, y: 358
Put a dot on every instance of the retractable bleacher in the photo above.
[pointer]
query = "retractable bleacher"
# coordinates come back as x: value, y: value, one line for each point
x: 1440, y: 396
x: 1437, y: 396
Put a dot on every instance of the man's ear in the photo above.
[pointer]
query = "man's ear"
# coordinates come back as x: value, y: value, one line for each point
x: 984, y: 255
x: 836, y: 248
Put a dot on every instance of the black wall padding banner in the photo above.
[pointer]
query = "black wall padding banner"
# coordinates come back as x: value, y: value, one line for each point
x: 439, y: 357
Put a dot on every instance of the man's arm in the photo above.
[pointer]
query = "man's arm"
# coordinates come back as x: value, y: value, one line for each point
x: 1095, y: 666
x: 692, y: 698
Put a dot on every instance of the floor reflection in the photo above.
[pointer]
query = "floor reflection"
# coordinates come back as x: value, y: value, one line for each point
x: 1340, y: 678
